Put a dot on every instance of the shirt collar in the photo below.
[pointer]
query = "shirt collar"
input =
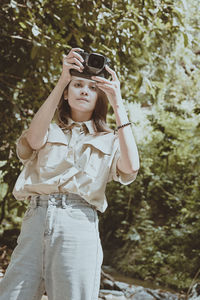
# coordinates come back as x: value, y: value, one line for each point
x: 89, y: 125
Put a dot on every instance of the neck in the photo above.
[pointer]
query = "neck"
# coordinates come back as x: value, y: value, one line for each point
x: 80, y: 117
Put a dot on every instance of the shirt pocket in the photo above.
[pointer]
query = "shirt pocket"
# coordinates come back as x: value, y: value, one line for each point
x: 52, y: 155
x: 94, y: 160
x: 54, y: 151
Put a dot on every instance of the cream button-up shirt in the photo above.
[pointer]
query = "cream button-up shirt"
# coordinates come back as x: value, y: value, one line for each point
x: 76, y: 160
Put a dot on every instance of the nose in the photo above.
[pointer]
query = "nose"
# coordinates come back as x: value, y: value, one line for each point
x: 84, y: 90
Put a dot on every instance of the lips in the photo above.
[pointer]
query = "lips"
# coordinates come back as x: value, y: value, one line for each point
x: 83, y: 99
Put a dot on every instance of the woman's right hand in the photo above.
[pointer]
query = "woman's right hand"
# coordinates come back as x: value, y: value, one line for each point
x: 71, y: 61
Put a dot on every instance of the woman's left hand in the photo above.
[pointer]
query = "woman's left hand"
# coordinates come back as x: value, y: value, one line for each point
x: 110, y: 88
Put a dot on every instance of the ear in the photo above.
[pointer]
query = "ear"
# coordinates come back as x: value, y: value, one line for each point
x: 65, y: 94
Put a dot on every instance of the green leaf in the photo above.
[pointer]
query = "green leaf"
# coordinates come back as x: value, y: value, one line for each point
x: 138, y: 84
x: 34, y: 51
x: 23, y: 25
x: 185, y: 36
x: 3, y: 190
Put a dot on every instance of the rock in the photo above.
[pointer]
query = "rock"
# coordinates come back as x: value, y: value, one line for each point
x: 143, y: 295
x: 113, y: 292
x: 195, y: 294
x: 107, y: 281
x: 108, y: 284
x: 162, y: 295
x: 111, y: 295
x: 130, y: 291
x: 121, y: 285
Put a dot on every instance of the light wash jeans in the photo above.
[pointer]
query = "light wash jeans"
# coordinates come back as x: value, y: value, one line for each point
x: 59, y: 250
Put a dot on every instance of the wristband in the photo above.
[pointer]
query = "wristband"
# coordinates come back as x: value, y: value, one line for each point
x: 121, y: 126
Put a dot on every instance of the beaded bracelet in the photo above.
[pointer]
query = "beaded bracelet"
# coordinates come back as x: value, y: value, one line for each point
x: 121, y: 126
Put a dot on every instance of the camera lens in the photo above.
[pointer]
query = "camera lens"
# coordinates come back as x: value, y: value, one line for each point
x: 96, y: 61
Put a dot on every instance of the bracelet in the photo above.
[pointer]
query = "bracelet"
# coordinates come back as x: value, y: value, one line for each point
x: 121, y: 126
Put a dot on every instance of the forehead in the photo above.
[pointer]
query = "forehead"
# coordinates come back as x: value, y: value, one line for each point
x: 81, y: 79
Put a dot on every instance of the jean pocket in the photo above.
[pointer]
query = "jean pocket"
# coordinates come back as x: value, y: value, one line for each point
x: 82, y: 213
x: 29, y: 213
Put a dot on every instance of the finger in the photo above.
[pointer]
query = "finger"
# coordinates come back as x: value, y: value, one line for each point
x: 73, y: 53
x: 101, y: 88
x: 72, y: 66
x: 101, y: 79
x: 75, y: 49
x: 77, y: 55
x: 112, y: 72
x: 105, y: 86
x: 76, y: 68
x: 75, y: 61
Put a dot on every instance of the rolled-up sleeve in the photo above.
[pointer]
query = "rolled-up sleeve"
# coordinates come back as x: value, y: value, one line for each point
x: 118, y: 175
x: 24, y: 150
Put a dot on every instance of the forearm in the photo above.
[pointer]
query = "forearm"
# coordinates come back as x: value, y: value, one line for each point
x: 129, y: 157
x: 42, y: 119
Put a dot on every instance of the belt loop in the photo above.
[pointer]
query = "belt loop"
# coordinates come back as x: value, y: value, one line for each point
x: 52, y: 199
x: 33, y: 202
x: 64, y: 198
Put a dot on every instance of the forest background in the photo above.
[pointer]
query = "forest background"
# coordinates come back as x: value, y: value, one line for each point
x: 151, y: 229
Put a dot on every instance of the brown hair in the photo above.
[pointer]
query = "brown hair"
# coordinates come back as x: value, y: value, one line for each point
x: 98, y: 116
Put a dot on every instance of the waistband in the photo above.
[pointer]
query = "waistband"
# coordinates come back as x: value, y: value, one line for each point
x: 59, y: 200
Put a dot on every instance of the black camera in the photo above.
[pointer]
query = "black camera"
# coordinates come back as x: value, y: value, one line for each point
x: 94, y: 65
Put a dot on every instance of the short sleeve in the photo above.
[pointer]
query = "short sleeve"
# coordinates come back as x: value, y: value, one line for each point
x: 24, y: 150
x: 117, y: 175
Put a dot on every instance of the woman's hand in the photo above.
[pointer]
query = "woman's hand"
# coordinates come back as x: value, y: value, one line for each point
x: 71, y: 61
x: 110, y: 88
x: 128, y: 161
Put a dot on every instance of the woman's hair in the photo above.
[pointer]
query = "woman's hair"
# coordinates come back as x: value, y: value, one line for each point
x: 98, y: 116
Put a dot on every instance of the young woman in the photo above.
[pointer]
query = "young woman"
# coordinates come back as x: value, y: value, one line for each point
x: 67, y: 165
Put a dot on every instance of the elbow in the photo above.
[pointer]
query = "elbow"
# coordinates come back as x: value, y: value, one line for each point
x: 135, y: 165
x: 33, y: 142
x: 134, y: 168
x: 130, y: 168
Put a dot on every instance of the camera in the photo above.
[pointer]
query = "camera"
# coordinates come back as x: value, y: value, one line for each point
x: 94, y: 65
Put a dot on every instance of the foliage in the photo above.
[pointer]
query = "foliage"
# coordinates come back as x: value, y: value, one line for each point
x: 153, y: 224
x: 155, y: 227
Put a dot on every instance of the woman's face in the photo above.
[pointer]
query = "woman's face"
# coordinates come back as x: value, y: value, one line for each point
x: 82, y: 96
